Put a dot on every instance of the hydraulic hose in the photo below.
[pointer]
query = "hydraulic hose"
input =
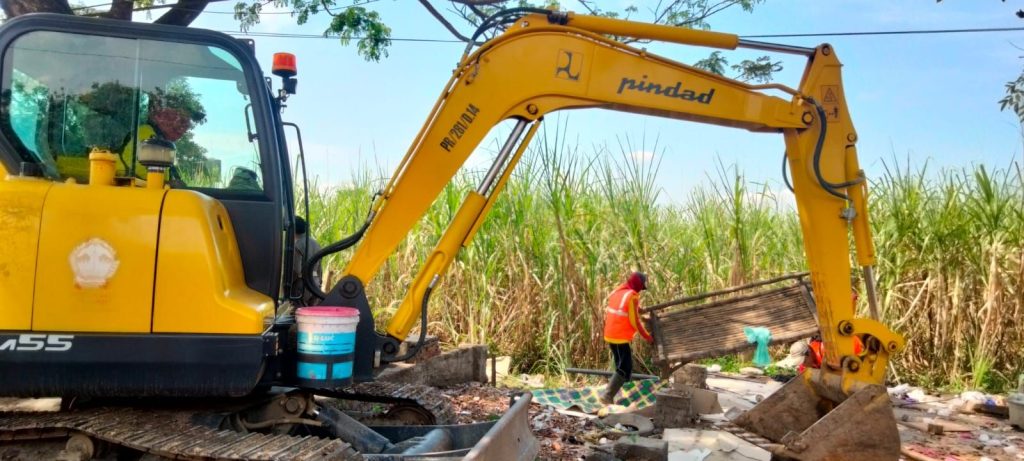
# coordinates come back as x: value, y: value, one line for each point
x: 785, y: 171
x: 423, y: 323
x: 493, y: 20
x: 340, y: 245
x: 822, y: 129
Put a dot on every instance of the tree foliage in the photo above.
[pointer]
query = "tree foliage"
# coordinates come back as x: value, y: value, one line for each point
x: 348, y: 23
x: 1014, y: 98
x: 353, y: 20
x: 691, y: 14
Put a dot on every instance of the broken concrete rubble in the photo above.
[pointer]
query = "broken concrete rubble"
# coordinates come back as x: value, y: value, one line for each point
x: 692, y: 375
x: 462, y: 365
x: 720, y: 446
x: 641, y: 449
x: 682, y: 406
x: 673, y: 409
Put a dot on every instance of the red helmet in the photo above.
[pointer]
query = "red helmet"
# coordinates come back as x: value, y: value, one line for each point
x: 637, y: 281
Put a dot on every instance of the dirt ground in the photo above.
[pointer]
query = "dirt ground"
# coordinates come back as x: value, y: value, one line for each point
x: 561, y: 436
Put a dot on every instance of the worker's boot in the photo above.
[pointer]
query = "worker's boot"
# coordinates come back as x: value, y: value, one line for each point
x: 614, y: 385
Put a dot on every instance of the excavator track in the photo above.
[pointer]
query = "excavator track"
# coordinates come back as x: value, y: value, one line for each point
x: 434, y: 407
x: 168, y: 434
x: 181, y: 434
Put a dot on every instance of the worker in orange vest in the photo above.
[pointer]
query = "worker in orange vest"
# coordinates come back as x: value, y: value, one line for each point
x: 814, y: 352
x: 622, y: 322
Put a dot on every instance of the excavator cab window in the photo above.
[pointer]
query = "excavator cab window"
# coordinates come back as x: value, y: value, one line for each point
x: 69, y: 94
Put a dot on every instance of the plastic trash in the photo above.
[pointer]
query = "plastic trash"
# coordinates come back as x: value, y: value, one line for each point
x: 899, y: 391
x: 760, y: 336
x: 972, y: 396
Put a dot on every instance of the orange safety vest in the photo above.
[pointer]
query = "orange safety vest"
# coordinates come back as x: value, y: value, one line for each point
x: 618, y: 327
x: 816, y: 352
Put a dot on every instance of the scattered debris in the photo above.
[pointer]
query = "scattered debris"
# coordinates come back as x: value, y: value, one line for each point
x: 641, y: 449
x: 697, y: 454
x: 1001, y: 411
x: 751, y: 371
x: 626, y: 424
x: 797, y: 355
x: 569, y: 435
x: 723, y: 445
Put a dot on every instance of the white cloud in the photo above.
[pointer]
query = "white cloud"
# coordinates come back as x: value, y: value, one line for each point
x: 642, y: 155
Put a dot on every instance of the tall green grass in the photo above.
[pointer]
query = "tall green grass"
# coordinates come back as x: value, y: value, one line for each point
x: 573, y: 222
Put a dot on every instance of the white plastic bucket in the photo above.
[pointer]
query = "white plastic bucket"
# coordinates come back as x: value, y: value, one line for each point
x: 327, y: 340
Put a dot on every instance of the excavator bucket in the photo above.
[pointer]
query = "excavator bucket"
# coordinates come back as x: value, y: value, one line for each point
x: 809, y: 420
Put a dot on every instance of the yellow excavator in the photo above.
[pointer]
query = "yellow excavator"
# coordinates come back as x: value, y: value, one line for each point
x: 148, y: 236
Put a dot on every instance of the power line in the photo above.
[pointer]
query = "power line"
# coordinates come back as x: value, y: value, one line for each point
x: 205, y: 11
x: 798, y: 35
x: 332, y: 37
x: 344, y: 8
x: 887, y: 32
x: 77, y: 8
x: 147, y: 8
x: 821, y: 34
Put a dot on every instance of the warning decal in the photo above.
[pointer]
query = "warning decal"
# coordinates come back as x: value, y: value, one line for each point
x: 830, y: 96
x: 830, y: 102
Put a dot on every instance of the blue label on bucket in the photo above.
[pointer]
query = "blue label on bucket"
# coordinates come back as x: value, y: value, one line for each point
x: 327, y: 343
x: 313, y: 370
x: 341, y: 370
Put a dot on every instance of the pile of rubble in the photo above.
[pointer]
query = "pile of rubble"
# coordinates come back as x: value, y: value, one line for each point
x: 682, y: 425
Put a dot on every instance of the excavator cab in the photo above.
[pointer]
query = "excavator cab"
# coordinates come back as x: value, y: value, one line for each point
x: 176, y: 261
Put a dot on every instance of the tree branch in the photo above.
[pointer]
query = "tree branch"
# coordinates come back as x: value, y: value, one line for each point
x: 477, y: 11
x: 587, y: 6
x: 326, y: 9
x: 479, y: 2
x: 444, y: 22
x: 15, y: 8
x: 120, y: 9
x: 710, y: 11
x: 183, y: 12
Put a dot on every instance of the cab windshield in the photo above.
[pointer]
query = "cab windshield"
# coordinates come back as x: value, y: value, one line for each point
x: 66, y: 95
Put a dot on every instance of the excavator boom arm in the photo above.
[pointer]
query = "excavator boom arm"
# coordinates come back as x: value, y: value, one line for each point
x: 545, y: 63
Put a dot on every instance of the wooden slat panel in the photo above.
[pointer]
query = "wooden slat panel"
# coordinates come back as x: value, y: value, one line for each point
x: 684, y: 334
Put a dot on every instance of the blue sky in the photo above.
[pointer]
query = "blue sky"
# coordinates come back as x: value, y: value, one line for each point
x: 914, y: 97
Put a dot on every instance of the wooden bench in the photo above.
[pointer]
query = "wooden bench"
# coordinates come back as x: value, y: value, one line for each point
x: 711, y: 324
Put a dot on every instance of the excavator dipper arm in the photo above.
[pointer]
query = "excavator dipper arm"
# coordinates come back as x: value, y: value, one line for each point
x: 554, y: 61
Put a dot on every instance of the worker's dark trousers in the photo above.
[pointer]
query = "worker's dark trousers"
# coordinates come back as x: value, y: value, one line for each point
x: 623, y: 357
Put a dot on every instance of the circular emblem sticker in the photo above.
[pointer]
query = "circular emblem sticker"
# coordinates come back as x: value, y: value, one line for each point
x: 93, y: 263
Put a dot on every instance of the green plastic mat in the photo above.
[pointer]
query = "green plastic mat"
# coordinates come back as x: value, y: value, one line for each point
x: 638, y: 394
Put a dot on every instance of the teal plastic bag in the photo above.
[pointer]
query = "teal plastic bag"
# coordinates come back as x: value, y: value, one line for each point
x: 762, y: 337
